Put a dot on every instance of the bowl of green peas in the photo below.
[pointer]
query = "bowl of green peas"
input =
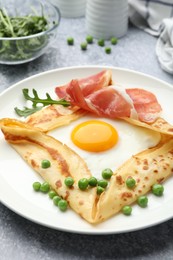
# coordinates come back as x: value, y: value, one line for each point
x: 27, y: 29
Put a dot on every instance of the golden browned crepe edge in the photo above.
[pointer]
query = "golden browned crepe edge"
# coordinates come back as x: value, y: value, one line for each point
x: 159, y: 125
x: 54, y: 116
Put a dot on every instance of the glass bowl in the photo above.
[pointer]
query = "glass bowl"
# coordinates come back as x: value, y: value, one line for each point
x: 21, y: 49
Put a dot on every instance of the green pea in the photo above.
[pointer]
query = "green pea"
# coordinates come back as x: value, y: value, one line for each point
x: 69, y: 181
x: 108, y: 50
x: 36, y: 186
x: 52, y: 194
x: 102, y: 183
x: 62, y: 204
x: 89, y: 39
x: 157, y: 189
x: 56, y: 200
x: 127, y: 210
x: 83, y: 184
x: 45, y: 187
x: 130, y: 182
x: 83, y: 46
x: 100, y: 190
x: 92, y: 181
x: 45, y: 164
x: 101, y: 42
x: 70, y: 41
x: 114, y: 40
x: 142, y: 201
x: 107, y: 173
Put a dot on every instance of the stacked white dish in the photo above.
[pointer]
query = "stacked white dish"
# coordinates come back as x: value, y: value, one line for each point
x: 71, y: 8
x: 105, y: 19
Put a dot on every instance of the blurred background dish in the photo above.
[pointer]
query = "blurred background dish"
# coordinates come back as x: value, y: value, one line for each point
x: 71, y: 8
x: 106, y: 19
x: 28, y: 31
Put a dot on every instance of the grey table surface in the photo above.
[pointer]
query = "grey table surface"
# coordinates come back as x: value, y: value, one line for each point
x: 23, y: 239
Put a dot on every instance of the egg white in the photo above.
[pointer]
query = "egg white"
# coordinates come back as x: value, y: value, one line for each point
x: 132, y: 139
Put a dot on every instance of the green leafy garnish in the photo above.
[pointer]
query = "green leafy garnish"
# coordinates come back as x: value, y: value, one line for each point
x: 27, y: 111
x: 36, y: 100
x: 21, y: 26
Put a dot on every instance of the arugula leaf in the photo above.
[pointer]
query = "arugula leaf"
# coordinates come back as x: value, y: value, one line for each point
x: 36, y: 100
x: 48, y: 101
x: 27, y: 111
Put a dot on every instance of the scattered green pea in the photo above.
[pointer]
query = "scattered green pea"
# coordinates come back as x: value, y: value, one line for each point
x: 36, y: 186
x: 127, y: 210
x: 56, y: 200
x: 107, y: 173
x: 62, y: 204
x: 142, y: 201
x: 157, y: 189
x: 108, y: 50
x: 92, y: 181
x: 45, y: 187
x: 70, y: 41
x: 83, y: 184
x: 101, y: 42
x: 45, y: 164
x: 69, y: 181
x: 83, y: 46
x: 89, y: 39
x: 102, y: 183
x: 114, y: 40
x: 52, y: 194
x: 130, y: 182
x: 100, y: 190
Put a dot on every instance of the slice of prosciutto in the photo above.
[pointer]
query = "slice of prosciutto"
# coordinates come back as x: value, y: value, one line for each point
x: 89, y: 84
x: 110, y: 101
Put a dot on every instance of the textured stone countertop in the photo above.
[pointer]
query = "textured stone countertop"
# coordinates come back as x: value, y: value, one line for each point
x: 21, y: 239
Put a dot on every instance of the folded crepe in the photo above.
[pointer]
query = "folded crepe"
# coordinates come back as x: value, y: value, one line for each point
x: 147, y: 168
x: 53, y: 116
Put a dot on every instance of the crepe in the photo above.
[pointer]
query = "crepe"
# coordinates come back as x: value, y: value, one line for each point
x: 159, y: 125
x: 53, y: 116
x: 147, y: 168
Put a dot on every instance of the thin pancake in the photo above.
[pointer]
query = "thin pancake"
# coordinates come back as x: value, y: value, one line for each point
x: 34, y: 146
x: 147, y: 168
x: 54, y: 116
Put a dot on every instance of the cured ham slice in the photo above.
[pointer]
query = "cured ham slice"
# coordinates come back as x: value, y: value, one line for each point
x: 145, y: 104
x: 113, y: 103
x: 95, y: 94
x: 104, y: 102
x: 88, y: 84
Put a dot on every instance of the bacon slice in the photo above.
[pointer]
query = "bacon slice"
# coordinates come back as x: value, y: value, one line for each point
x: 88, y: 84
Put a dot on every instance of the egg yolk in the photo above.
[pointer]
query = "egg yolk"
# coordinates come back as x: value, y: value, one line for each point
x: 94, y: 136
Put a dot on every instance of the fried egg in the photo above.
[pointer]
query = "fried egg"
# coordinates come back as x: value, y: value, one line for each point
x: 124, y: 140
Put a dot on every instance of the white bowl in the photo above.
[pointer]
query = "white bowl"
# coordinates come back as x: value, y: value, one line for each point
x: 71, y: 8
x: 106, y: 19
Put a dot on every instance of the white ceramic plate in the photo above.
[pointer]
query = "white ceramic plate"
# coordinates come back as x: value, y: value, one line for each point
x: 16, y: 177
